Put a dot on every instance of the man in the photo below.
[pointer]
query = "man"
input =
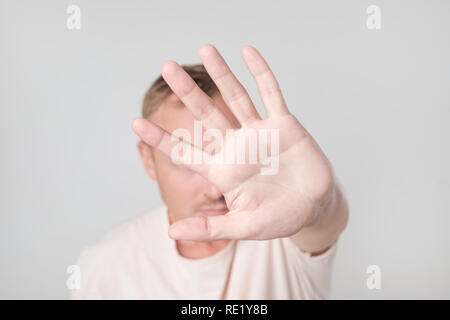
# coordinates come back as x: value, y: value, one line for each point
x: 227, y: 230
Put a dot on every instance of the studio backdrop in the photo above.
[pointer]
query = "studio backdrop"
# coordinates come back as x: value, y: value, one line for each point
x: 369, y: 79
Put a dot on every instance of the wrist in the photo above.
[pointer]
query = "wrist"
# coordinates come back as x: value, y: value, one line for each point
x: 322, y: 207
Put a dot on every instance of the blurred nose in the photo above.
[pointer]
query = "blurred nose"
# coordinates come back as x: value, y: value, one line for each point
x: 211, y: 191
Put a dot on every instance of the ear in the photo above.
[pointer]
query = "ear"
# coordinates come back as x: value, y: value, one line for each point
x: 148, y: 162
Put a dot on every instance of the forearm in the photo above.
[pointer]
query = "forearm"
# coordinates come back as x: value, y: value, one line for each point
x: 329, y: 222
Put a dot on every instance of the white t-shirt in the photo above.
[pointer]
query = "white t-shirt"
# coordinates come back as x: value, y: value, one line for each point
x: 138, y: 260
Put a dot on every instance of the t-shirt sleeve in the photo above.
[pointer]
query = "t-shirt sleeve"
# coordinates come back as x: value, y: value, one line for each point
x: 91, y: 263
x: 315, y: 271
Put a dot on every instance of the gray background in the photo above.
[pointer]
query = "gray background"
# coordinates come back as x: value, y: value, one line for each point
x: 376, y: 101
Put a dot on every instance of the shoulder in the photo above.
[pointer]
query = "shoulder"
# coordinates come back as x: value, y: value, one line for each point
x: 324, y: 256
x: 117, y: 248
x: 137, y: 229
x: 312, y: 273
x: 316, y: 271
x: 287, y: 247
x: 134, y: 232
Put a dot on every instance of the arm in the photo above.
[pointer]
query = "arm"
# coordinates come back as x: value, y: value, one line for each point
x: 326, y: 226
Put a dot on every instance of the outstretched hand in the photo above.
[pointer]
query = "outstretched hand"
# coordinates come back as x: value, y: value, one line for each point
x: 261, y: 206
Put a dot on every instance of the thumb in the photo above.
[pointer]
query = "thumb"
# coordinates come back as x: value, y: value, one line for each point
x: 233, y: 225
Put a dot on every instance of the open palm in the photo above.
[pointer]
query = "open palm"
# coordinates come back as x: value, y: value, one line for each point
x: 262, y: 206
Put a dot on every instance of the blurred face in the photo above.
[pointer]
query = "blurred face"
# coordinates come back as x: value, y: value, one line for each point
x: 185, y: 193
